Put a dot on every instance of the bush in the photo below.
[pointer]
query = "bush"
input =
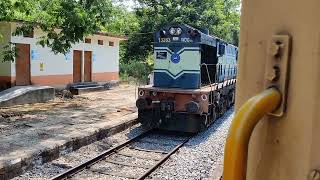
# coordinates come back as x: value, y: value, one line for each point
x: 135, y: 69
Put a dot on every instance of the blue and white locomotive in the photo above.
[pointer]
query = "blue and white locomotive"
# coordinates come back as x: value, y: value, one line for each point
x: 194, y: 80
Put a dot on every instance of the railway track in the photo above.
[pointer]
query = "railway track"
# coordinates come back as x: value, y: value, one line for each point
x: 137, y: 157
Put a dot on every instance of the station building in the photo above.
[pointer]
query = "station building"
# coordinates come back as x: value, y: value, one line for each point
x: 95, y: 59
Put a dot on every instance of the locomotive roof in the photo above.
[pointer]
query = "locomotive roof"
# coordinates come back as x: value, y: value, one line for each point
x: 204, y: 38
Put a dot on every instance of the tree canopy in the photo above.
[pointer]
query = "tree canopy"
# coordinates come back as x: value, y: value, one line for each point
x: 122, y: 21
x: 220, y: 17
x: 74, y: 19
x: 79, y: 18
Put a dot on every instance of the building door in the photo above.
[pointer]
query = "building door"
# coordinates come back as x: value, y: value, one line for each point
x: 77, y: 58
x: 23, y: 76
x: 87, y: 66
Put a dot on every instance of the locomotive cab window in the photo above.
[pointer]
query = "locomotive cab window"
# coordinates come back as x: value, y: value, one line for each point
x: 222, y: 49
x: 161, y: 55
x: 209, y: 61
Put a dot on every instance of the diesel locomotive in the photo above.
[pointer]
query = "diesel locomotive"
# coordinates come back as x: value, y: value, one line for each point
x: 194, y: 80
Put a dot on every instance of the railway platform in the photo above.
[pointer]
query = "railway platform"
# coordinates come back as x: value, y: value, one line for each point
x: 34, y: 134
x: 26, y: 94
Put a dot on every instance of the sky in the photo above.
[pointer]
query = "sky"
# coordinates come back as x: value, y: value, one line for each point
x: 130, y: 4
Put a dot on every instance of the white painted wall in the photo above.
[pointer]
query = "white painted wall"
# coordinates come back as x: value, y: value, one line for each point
x: 106, y: 57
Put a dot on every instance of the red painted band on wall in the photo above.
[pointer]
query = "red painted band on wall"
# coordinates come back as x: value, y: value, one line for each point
x: 52, y: 80
x: 105, y: 76
x: 64, y: 79
x: 68, y: 78
x: 7, y: 78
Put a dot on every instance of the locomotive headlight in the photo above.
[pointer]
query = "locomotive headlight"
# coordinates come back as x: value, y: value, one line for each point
x: 178, y: 31
x: 172, y: 31
x: 175, y: 31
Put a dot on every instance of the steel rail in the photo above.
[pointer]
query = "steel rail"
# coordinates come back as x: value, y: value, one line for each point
x: 97, y: 158
x: 69, y: 173
x: 146, y: 174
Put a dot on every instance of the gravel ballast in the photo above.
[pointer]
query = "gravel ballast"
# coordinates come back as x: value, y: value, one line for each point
x: 51, y: 169
x: 200, y: 156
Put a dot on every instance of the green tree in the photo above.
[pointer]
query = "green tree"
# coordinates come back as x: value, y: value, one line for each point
x: 75, y: 19
x: 122, y: 21
x: 221, y: 17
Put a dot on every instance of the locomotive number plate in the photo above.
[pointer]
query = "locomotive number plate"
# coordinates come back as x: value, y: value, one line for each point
x: 188, y: 40
x: 164, y: 40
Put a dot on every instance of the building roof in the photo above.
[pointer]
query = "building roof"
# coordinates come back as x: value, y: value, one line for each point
x: 121, y: 37
x: 112, y: 35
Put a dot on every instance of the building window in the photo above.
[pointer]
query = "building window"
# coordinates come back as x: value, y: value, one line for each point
x: 29, y: 34
x: 100, y: 42
x: 111, y: 43
x: 87, y: 40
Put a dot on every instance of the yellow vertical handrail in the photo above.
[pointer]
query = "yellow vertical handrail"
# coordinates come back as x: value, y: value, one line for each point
x: 236, y: 148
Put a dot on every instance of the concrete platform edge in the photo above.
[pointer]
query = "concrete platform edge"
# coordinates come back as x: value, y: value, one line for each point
x: 36, y: 95
x: 19, y: 166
